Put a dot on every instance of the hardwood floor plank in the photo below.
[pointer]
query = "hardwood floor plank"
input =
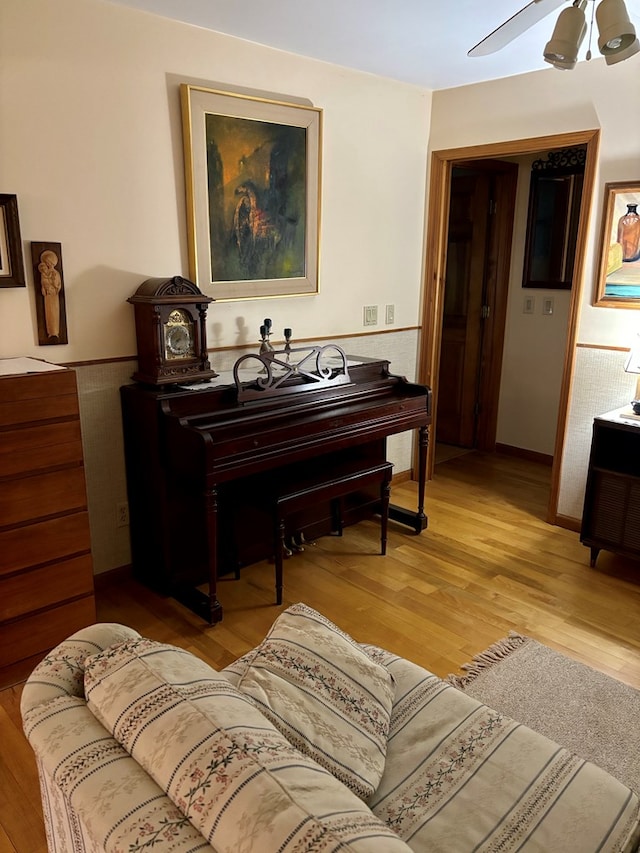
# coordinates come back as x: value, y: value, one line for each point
x: 488, y: 563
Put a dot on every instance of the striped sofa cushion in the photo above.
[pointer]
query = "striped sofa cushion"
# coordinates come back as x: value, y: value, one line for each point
x: 327, y: 697
x: 460, y: 776
x: 237, y: 779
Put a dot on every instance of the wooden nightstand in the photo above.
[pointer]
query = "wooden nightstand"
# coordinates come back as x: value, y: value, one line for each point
x: 611, y: 516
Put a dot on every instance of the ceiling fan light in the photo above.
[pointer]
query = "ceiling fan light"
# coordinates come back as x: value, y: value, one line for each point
x: 616, y: 33
x: 620, y: 55
x: 561, y: 50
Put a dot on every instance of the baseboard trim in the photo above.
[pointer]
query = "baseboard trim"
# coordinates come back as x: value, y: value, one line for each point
x: 568, y: 523
x: 523, y: 453
x: 106, y: 578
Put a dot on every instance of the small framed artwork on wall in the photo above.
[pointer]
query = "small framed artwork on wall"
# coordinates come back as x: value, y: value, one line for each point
x: 618, y: 283
x: 11, y: 263
x: 49, y: 293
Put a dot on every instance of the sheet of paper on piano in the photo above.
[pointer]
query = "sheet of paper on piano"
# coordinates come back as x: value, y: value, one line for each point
x: 14, y: 366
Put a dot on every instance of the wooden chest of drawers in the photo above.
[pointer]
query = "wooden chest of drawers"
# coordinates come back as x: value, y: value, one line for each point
x: 46, y: 574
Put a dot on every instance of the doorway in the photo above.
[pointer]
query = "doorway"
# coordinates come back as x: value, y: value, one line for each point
x: 479, y: 233
x: 443, y: 164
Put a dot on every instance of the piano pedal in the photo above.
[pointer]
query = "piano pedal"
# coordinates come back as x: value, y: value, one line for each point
x: 302, y: 541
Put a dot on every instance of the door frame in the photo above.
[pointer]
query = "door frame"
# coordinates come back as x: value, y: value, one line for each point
x: 441, y: 165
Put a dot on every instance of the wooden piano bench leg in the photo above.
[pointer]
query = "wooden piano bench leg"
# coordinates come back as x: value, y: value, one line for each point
x: 337, y: 521
x: 279, y: 556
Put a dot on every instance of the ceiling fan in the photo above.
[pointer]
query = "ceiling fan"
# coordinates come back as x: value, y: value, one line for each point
x: 617, y: 36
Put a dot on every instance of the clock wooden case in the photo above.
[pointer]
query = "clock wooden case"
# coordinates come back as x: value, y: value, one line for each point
x: 170, y: 316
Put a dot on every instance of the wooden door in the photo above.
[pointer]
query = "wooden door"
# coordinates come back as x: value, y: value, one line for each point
x: 461, y: 349
x: 480, y: 231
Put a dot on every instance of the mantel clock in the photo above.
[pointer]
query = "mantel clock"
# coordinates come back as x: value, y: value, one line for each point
x: 170, y: 316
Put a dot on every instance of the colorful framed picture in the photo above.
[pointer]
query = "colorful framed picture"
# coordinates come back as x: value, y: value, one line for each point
x: 252, y: 170
x: 618, y: 282
x: 11, y: 262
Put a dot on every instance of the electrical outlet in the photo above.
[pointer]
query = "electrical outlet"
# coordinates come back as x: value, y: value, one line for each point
x: 122, y: 514
x: 390, y: 314
x: 370, y: 315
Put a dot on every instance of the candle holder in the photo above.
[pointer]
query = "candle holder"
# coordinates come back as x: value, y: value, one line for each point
x: 266, y: 347
x: 287, y: 346
x: 265, y: 334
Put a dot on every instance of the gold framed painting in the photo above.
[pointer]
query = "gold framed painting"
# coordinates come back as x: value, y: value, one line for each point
x: 618, y: 282
x: 252, y: 169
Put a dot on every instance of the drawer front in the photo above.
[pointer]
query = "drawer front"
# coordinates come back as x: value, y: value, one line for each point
x: 41, y: 632
x: 23, y: 593
x: 44, y: 542
x: 39, y: 409
x: 41, y: 495
x: 37, y: 448
x: 55, y: 383
x: 33, y: 437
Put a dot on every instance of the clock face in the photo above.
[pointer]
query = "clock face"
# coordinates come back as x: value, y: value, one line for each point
x: 178, y: 336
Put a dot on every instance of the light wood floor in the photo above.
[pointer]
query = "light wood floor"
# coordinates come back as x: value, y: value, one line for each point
x: 487, y: 564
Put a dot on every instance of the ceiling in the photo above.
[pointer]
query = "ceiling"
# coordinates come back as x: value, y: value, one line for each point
x: 424, y: 42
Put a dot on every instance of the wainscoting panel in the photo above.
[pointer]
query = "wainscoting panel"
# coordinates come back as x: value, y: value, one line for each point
x: 599, y: 385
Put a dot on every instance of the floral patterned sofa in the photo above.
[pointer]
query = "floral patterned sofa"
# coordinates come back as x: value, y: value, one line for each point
x: 310, y: 742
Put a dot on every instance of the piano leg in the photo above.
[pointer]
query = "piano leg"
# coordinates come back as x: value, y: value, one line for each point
x: 385, y: 494
x: 206, y: 605
x: 417, y: 520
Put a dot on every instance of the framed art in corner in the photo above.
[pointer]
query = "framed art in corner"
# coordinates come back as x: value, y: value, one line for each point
x: 618, y: 282
x: 11, y: 262
x: 252, y: 169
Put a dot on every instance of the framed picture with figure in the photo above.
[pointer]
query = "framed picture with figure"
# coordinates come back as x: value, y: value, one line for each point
x: 253, y: 193
x: 49, y: 293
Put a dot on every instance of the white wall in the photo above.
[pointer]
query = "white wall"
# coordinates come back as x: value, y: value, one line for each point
x: 593, y: 95
x: 91, y: 144
x: 90, y: 141
x: 534, y: 345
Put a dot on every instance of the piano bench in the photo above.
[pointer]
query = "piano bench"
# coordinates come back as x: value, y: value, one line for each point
x: 331, y: 486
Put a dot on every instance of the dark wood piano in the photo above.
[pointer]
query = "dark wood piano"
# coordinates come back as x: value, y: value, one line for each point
x: 201, y: 463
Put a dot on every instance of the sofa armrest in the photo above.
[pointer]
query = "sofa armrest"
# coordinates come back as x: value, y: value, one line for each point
x: 61, y: 673
x: 95, y: 796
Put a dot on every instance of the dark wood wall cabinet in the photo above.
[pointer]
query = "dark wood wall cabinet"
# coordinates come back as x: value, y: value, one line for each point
x: 46, y: 573
x: 611, y: 516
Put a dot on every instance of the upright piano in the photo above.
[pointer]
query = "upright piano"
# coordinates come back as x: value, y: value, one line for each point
x: 201, y: 460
